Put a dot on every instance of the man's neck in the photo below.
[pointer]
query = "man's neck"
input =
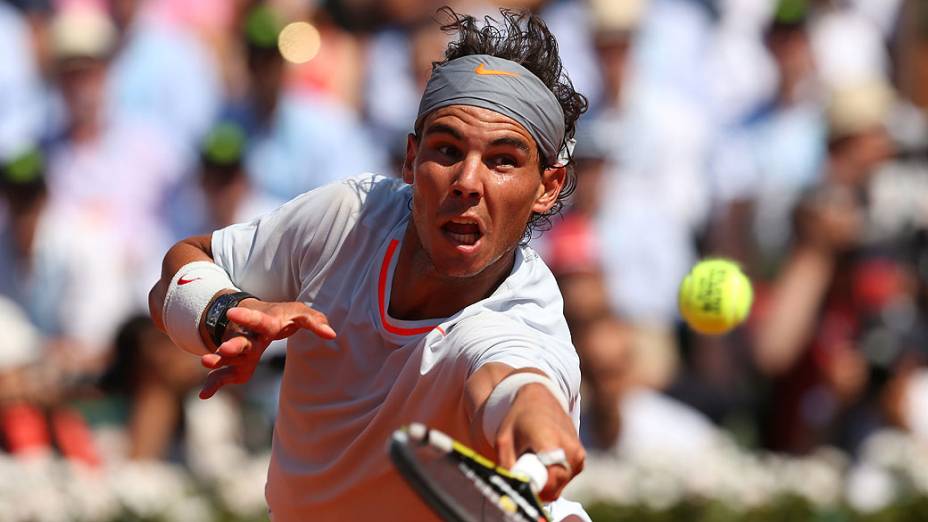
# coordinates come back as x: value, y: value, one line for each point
x: 24, y: 227
x: 418, y: 292
x: 86, y: 131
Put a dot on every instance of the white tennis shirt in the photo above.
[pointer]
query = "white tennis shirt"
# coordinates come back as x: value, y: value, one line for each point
x: 335, y: 248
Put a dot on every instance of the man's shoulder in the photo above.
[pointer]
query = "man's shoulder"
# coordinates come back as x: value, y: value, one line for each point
x: 365, y: 192
x: 520, y: 341
x: 531, y: 284
x: 485, y: 322
x: 383, y: 200
x: 376, y: 186
x: 358, y: 209
x: 508, y: 325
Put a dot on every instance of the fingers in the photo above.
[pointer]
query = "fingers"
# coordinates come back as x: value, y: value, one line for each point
x: 549, y: 471
x: 505, y: 449
x: 226, y: 352
x: 232, y: 363
x: 319, y: 325
x: 216, y: 379
x: 211, y: 360
x: 274, y: 327
x: 559, y: 475
x: 563, y: 457
x: 235, y: 359
x: 255, y: 321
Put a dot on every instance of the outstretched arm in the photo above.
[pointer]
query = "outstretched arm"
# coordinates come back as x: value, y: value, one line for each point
x: 253, y: 324
x: 535, y: 421
x: 828, y: 222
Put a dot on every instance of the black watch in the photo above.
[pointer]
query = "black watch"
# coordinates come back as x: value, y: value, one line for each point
x: 216, y: 319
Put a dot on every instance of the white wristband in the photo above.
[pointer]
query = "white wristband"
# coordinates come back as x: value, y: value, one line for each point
x: 503, y: 395
x: 188, y: 295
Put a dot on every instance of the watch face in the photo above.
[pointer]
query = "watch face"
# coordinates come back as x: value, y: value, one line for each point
x: 215, y: 311
x: 216, y: 320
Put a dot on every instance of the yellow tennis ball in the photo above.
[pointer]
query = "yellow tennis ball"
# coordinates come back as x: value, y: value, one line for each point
x: 715, y: 296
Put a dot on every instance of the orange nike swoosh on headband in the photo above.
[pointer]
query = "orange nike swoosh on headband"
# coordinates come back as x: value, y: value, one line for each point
x: 481, y: 69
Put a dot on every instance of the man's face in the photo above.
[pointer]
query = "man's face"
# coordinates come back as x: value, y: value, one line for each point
x: 83, y: 82
x: 476, y: 181
x: 266, y: 71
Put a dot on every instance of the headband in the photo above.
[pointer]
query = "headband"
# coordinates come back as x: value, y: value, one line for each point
x: 502, y: 86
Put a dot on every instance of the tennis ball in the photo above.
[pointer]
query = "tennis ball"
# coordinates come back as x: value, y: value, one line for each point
x: 715, y: 296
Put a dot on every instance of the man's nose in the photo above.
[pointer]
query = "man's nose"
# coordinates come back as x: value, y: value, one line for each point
x: 468, y: 180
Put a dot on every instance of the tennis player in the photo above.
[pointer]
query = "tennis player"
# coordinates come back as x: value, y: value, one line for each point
x: 408, y: 299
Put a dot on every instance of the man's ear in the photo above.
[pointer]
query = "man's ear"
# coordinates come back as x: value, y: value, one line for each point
x: 412, y: 146
x: 552, y: 182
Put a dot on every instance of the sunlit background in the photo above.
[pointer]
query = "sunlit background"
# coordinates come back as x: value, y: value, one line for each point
x: 789, y: 135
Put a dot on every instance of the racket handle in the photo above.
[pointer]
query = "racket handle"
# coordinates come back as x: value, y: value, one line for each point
x: 537, y: 473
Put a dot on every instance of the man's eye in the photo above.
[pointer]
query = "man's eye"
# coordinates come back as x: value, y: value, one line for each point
x: 504, y: 161
x: 448, y: 151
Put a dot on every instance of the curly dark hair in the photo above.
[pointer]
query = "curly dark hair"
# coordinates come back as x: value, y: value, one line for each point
x: 523, y: 38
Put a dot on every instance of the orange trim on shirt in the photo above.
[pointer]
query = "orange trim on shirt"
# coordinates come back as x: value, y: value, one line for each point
x: 381, y: 296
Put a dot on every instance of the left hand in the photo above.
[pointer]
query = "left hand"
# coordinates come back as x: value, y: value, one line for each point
x: 235, y: 360
x: 536, y: 423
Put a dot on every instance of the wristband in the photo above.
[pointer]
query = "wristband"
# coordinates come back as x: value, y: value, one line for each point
x: 188, y: 295
x: 503, y: 395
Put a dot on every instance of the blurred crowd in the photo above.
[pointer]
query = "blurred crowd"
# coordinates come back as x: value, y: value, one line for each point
x: 788, y: 135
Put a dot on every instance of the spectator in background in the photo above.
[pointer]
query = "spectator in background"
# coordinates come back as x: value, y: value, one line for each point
x: 760, y: 166
x: 115, y: 169
x: 848, y: 42
x: 336, y: 70
x: 624, y: 368
x: 296, y: 141
x: 59, y: 268
x: 147, y: 373
x: 20, y: 82
x: 398, y: 65
x: 571, y: 248
x: 658, y: 196
x: 625, y: 415
x: 57, y: 264
x: 809, y: 334
x: 162, y: 73
x: 773, y: 155
x: 632, y: 222
x: 221, y: 194
x: 613, y: 30
x: 156, y: 377
x: 572, y: 22
x: 365, y: 15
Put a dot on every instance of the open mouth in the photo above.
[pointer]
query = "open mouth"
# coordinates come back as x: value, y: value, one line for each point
x: 462, y: 231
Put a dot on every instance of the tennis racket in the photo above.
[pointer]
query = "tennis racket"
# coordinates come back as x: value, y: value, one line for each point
x: 462, y: 486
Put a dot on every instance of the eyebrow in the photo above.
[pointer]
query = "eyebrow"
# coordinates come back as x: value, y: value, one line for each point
x: 512, y: 142
x: 441, y: 128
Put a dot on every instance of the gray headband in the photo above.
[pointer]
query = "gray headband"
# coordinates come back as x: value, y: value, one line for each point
x: 505, y: 87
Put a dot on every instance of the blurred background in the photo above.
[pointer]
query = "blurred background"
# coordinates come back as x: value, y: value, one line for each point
x: 789, y: 135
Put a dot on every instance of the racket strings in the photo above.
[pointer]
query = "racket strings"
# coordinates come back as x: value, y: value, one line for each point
x: 459, y: 483
x: 497, y: 491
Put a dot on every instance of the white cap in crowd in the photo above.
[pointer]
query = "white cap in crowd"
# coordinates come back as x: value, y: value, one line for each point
x: 82, y: 31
